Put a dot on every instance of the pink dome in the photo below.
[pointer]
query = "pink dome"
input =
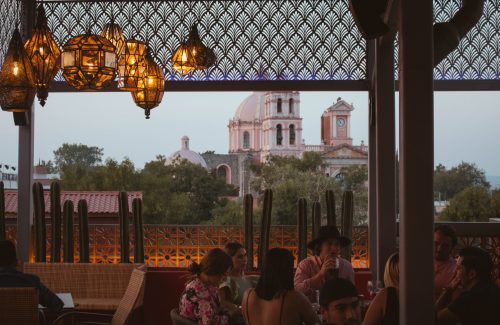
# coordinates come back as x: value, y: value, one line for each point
x: 251, y: 109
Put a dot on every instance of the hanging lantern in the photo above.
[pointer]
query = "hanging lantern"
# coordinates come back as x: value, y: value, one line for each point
x: 183, y: 61
x: 151, y: 86
x: 88, y: 62
x: 114, y: 33
x: 192, y: 54
x: 17, y: 80
x: 44, y: 55
x: 204, y: 56
x: 131, y: 65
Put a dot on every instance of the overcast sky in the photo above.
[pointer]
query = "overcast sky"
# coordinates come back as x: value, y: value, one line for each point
x: 467, y: 124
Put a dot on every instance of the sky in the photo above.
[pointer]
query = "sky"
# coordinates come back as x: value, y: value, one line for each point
x: 467, y: 124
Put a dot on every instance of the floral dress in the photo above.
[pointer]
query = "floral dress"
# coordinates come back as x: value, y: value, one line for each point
x: 201, y: 303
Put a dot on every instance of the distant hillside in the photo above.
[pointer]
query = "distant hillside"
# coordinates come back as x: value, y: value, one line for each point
x: 494, y: 181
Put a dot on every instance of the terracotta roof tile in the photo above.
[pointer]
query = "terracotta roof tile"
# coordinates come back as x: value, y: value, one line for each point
x: 99, y: 202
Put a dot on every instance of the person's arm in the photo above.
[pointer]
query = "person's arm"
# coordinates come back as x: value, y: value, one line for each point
x: 307, y: 314
x: 304, y: 281
x: 449, y: 294
x: 375, y: 312
x: 209, y: 313
x: 225, y: 299
x: 48, y: 299
x: 446, y: 317
x: 244, y: 303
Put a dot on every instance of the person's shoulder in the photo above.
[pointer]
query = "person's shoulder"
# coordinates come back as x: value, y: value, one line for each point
x: 307, y: 261
x: 32, y: 278
x: 297, y: 296
x: 345, y: 262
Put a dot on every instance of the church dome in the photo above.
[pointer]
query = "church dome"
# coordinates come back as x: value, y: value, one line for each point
x: 251, y: 109
x: 187, y: 154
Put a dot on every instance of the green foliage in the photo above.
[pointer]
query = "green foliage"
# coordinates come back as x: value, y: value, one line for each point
x: 77, y: 154
x: 291, y: 178
x: 182, y: 193
x: 472, y: 204
x: 495, y: 202
x: 229, y: 213
x: 49, y: 166
x: 448, y: 183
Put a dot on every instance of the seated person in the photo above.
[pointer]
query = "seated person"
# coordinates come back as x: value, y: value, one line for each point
x: 339, y: 303
x: 479, y: 303
x: 384, y: 309
x: 445, y: 240
x: 315, y: 270
x: 10, y: 277
x: 232, y: 290
x: 274, y: 301
x: 200, y: 300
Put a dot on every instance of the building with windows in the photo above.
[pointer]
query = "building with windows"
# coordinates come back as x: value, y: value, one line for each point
x: 268, y: 124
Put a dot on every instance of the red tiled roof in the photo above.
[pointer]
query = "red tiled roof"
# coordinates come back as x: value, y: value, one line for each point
x: 99, y: 202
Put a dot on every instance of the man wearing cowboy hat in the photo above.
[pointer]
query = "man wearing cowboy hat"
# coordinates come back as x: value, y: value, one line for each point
x: 313, y: 272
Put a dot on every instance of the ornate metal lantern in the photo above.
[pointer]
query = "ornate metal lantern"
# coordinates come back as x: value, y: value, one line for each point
x: 131, y: 65
x: 151, y: 86
x: 193, y: 54
x: 44, y: 55
x: 204, y: 56
x: 89, y: 62
x: 182, y: 60
x: 17, y: 80
x: 114, y: 33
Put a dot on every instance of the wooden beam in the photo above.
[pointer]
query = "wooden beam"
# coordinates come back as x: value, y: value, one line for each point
x: 385, y: 118
x: 416, y: 144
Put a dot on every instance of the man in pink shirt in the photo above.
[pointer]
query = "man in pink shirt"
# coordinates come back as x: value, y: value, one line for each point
x: 445, y: 240
x: 326, y: 263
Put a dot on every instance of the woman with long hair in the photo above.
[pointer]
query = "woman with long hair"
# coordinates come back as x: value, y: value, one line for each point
x: 200, y: 300
x: 274, y: 301
x: 384, y: 309
x: 232, y: 290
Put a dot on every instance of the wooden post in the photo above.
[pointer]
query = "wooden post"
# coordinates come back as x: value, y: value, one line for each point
x: 385, y: 147
x: 416, y: 143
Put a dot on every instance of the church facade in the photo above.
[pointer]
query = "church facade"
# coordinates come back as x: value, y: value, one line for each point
x: 269, y: 123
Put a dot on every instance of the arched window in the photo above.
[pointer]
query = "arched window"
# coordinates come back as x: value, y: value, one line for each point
x: 279, y: 135
x: 292, y: 134
x: 224, y: 173
x: 246, y: 140
x: 279, y: 105
x: 290, y: 106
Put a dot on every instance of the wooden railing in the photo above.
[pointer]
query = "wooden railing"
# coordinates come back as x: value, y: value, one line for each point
x: 179, y: 245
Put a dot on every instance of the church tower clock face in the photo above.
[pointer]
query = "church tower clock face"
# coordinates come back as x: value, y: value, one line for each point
x: 340, y: 122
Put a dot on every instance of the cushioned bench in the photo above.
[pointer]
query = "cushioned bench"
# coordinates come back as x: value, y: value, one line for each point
x: 97, y: 287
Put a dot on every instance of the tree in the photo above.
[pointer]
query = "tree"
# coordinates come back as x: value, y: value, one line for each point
x: 77, y: 154
x: 49, y: 166
x: 355, y: 179
x: 447, y: 183
x: 495, y: 202
x: 180, y: 193
x: 292, y: 178
x: 227, y: 213
x: 471, y: 204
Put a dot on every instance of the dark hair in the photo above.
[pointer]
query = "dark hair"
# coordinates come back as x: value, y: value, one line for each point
x: 335, y: 289
x: 232, y: 248
x: 8, y: 256
x: 215, y: 262
x: 477, y: 259
x: 448, y: 231
x: 276, y: 275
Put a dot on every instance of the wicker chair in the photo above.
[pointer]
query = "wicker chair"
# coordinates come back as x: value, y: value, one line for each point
x: 132, y: 299
x: 19, y: 306
x: 179, y: 320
